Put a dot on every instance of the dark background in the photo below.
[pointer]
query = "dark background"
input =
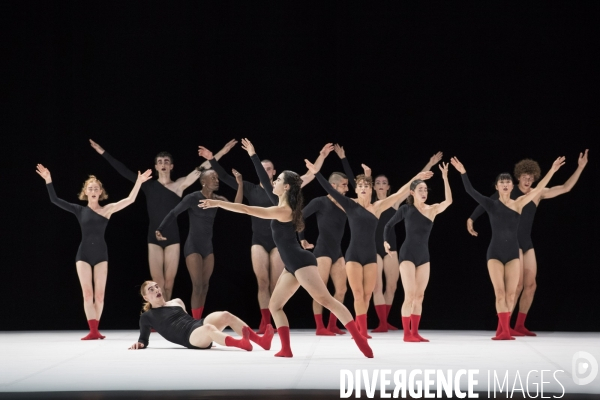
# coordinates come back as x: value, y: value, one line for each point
x: 489, y: 82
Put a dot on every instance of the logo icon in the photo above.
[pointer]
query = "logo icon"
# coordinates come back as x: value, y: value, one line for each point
x: 584, y: 368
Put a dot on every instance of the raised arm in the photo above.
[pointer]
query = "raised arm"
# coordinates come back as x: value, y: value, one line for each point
x: 282, y: 214
x: 260, y: 171
x: 485, y: 202
x: 434, y: 159
x: 439, y: 208
x: 339, y: 150
x: 389, y: 227
x: 187, y: 202
x: 45, y: 174
x: 220, y: 153
x: 119, y: 205
x: 239, y: 195
x: 340, y: 198
x: 187, y: 181
x: 401, y: 194
x: 308, y: 176
x: 523, y: 200
x: 223, y: 175
x: 554, y: 191
x: 119, y: 166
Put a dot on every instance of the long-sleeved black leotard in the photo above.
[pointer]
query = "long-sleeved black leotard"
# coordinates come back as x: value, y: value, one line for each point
x: 256, y: 196
x: 284, y: 233
x: 173, y: 323
x: 363, y: 224
x: 525, y: 223
x: 159, y: 201
x: 331, y: 220
x: 504, y: 245
x: 418, y: 227
x: 92, y: 248
x: 199, y: 238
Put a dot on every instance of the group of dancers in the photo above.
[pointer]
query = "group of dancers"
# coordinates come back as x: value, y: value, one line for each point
x: 282, y: 263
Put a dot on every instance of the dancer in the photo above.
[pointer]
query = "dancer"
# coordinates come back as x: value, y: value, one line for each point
x: 162, y: 195
x: 414, y: 254
x: 266, y: 260
x: 387, y: 261
x: 361, y: 256
x: 170, y: 319
x: 198, y: 248
x: 91, y: 260
x: 331, y: 220
x: 300, y: 265
x: 503, y: 252
x: 527, y: 172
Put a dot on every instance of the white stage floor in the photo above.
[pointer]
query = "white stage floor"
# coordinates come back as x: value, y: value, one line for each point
x: 59, y: 361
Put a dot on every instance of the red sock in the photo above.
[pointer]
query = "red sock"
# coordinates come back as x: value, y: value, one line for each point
x: 94, y: 333
x: 321, y: 330
x: 359, y: 339
x: 197, y: 312
x: 332, y: 325
x: 361, y: 321
x: 414, y: 327
x: 408, y: 337
x: 387, y: 314
x: 520, y: 325
x: 264, y: 321
x: 263, y: 341
x: 381, y: 314
x: 243, y: 343
x: 284, y: 336
x: 504, y: 318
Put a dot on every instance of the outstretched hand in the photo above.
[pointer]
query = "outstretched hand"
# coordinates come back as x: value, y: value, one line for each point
x: 228, y: 146
x: 208, y: 203
x: 204, y: 152
x: 44, y: 173
x: 436, y: 158
x: 311, y: 167
x: 97, y: 147
x: 248, y: 146
x: 238, y: 176
x: 339, y: 150
x: 145, y: 176
x: 366, y: 169
x: 559, y: 162
x: 424, y: 175
x: 328, y: 148
x: 583, y: 159
x: 444, y: 168
x: 458, y: 165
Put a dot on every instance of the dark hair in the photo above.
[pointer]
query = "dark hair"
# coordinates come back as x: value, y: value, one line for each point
x: 410, y: 199
x: 204, y: 172
x: 503, y: 176
x: 295, y: 198
x: 336, y: 176
x: 163, y: 154
x: 386, y: 193
x: 528, y: 166
x: 269, y: 161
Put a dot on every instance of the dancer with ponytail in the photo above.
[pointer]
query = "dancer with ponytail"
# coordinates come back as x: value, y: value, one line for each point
x: 503, y: 252
x: 170, y: 319
x: 162, y: 195
x: 527, y: 172
x: 266, y: 260
x: 414, y: 254
x: 300, y: 265
x: 91, y: 260
x: 361, y: 256
x: 198, y: 249
x: 387, y: 261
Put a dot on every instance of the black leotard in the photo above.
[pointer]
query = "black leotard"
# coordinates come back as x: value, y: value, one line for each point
x: 173, y: 323
x: 418, y: 227
x: 199, y: 238
x: 331, y: 221
x: 504, y: 245
x: 284, y: 233
x: 379, y: 233
x: 363, y: 224
x: 525, y: 223
x: 159, y: 200
x: 261, y: 228
x: 92, y: 248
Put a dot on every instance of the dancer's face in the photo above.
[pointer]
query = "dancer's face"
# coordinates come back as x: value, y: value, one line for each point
x: 268, y: 166
x: 93, y: 191
x: 153, y: 293
x: 420, y: 193
x: 381, y: 186
x: 504, y: 186
x: 163, y: 164
x: 363, y: 189
x: 210, y: 180
x: 341, y: 186
x: 278, y: 186
x: 526, y: 180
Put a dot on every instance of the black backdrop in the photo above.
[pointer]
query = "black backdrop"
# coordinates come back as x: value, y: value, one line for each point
x: 488, y: 82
